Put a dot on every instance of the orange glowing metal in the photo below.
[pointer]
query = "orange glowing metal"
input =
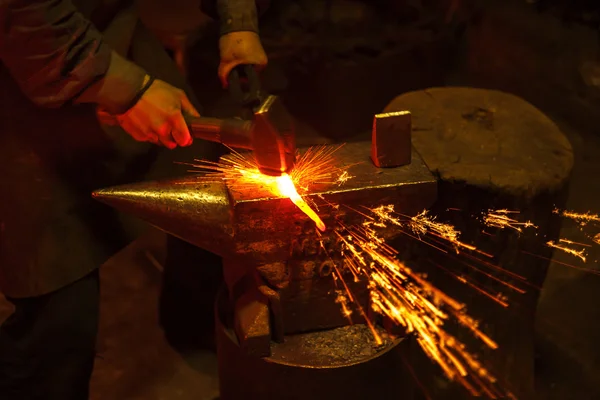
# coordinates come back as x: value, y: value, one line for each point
x: 286, y: 188
x: 316, y: 166
x: 597, y: 238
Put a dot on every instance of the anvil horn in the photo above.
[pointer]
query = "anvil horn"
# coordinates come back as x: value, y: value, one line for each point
x: 195, y: 211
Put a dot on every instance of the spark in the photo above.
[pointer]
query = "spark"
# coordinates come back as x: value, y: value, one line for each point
x: 581, y: 218
x: 563, y: 246
x: 342, y: 299
x: 316, y: 166
x: 424, y: 223
x: 399, y: 294
x: 407, y: 299
x: 500, y: 219
x: 597, y: 238
x: 420, y: 225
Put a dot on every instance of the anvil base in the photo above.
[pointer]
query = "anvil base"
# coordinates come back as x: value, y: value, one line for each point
x: 332, y: 364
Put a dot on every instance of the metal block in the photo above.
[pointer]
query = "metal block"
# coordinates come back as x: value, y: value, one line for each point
x: 258, y: 232
x: 391, y: 139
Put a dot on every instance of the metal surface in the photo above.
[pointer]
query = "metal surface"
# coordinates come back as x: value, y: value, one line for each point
x: 341, y: 363
x: 261, y: 227
x: 391, y: 139
x: 256, y: 231
x: 188, y: 208
x: 274, y: 138
x: 251, y: 321
x: 277, y: 267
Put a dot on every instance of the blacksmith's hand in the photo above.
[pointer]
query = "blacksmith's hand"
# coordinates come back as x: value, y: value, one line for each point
x: 239, y: 48
x: 157, y: 117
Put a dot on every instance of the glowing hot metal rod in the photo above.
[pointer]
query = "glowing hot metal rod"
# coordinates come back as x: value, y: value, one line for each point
x: 277, y: 265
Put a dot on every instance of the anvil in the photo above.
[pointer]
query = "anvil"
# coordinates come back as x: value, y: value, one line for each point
x: 276, y: 263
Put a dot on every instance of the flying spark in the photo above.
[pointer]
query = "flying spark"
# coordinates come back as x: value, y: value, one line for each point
x: 396, y: 291
x: 597, y: 238
x: 563, y: 245
x: 420, y: 225
x: 424, y: 223
x: 409, y: 300
x: 581, y: 218
x: 500, y: 219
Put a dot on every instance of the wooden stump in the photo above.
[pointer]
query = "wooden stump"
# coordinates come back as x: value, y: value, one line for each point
x: 491, y: 150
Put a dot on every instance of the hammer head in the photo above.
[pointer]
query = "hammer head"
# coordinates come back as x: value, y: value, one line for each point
x: 273, y: 138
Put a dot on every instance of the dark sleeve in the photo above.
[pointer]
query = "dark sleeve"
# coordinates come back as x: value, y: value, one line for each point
x: 235, y: 15
x: 58, y: 57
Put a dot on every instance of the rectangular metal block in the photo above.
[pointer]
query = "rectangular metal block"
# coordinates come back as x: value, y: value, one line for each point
x: 391, y: 139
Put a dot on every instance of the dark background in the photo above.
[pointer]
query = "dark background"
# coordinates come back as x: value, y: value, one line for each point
x: 336, y: 63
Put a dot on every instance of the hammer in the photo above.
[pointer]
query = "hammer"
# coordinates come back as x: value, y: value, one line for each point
x: 269, y: 133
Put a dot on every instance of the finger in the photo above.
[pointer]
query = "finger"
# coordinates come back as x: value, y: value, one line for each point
x: 133, y: 131
x: 225, y: 69
x: 154, y: 140
x: 187, y: 107
x: 138, y: 134
x: 164, y: 135
x: 167, y: 142
x: 106, y: 118
x: 181, y: 132
x: 261, y: 60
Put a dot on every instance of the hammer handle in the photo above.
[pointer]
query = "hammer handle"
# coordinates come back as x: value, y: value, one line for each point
x: 231, y: 132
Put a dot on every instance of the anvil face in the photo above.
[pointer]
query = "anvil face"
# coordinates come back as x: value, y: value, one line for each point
x: 261, y: 228
x: 266, y: 225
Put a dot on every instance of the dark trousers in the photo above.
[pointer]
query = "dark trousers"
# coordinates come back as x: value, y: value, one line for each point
x: 191, y: 280
x: 48, y: 345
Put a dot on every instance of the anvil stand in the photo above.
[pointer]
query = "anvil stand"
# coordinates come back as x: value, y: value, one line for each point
x: 280, y: 332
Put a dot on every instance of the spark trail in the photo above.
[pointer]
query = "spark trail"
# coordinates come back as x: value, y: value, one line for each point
x: 563, y: 245
x: 397, y: 292
x: 410, y: 301
x: 501, y: 219
x: 581, y: 218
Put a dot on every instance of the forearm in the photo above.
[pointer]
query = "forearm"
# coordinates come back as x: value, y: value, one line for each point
x: 58, y: 57
x: 235, y: 15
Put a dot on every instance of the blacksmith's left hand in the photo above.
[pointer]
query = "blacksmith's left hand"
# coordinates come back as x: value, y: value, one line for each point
x: 240, y: 48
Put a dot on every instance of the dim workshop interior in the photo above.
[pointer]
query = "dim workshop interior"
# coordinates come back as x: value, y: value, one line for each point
x: 406, y: 206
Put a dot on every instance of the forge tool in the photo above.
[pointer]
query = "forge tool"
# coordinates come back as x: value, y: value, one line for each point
x: 266, y: 127
x: 280, y: 333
